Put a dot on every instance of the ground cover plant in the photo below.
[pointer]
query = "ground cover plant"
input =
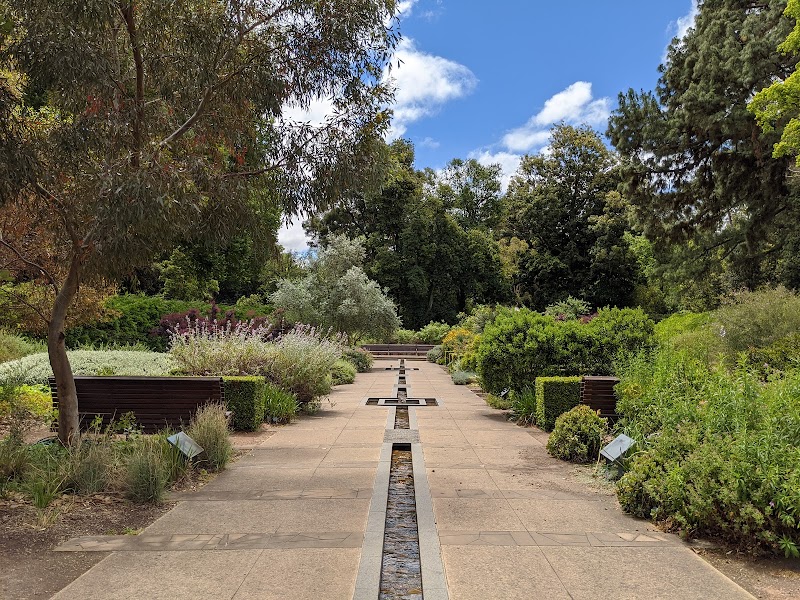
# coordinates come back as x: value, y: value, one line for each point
x: 35, y: 369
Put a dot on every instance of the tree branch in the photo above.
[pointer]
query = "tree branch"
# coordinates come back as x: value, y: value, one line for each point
x: 136, y: 127
x: 30, y: 263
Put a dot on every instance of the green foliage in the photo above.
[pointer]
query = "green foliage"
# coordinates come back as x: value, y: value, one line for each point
x: 776, y: 105
x: 35, y: 369
x: 433, y: 333
x: 498, y: 402
x: 147, y: 469
x: 464, y: 377
x: 90, y: 464
x: 360, y: 358
x: 24, y: 407
x: 563, y: 208
x: 758, y: 319
x: 577, y: 435
x: 717, y: 451
x: 280, y: 406
x: 404, y: 336
x: 135, y: 318
x: 554, y: 397
x: 302, y: 361
x: 523, y: 406
x: 343, y: 372
x: 714, y: 186
x: 13, y: 346
x: 521, y: 345
x: 421, y: 245
x: 181, y: 281
x: 209, y: 428
x: 338, y: 294
x: 571, y: 308
x: 435, y: 354
x: 244, y: 396
x: 14, y: 462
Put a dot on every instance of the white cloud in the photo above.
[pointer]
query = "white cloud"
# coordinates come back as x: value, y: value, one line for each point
x: 429, y: 142
x: 316, y: 114
x: 508, y: 161
x: 423, y: 83
x: 575, y: 105
x: 685, y: 22
x: 292, y: 237
x: 403, y: 8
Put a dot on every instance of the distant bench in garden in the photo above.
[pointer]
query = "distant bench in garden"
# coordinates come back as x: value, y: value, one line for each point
x: 598, y: 393
x: 156, y: 402
x: 399, y: 350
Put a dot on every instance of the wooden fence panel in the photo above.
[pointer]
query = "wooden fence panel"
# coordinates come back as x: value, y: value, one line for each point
x: 598, y: 393
x: 156, y: 402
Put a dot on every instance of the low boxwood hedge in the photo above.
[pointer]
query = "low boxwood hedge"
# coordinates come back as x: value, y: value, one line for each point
x: 245, y: 398
x: 554, y: 397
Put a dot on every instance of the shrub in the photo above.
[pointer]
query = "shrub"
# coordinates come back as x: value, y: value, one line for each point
x: 13, y: 347
x: 554, y: 397
x: 435, y: 354
x: 464, y: 377
x: 478, y: 318
x: 521, y: 345
x: 280, y: 406
x: 147, y: 469
x: 301, y: 362
x: 433, y: 333
x: 24, y: 407
x: 523, y: 406
x: 343, y: 372
x: 718, y: 453
x: 209, y: 428
x: 244, y: 396
x: 578, y: 435
x: 361, y: 359
x: 404, y: 336
x: 36, y: 369
x: 571, y: 308
x: 498, y: 402
x: 209, y: 349
x: 457, y: 342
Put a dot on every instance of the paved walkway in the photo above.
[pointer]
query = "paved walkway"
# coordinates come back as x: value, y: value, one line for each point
x: 290, y: 519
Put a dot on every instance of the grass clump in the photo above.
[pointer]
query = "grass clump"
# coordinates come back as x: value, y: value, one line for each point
x: 209, y: 428
x: 147, y: 469
x: 280, y: 406
x: 577, y: 435
x: 523, y: 406
x: 498, y: 402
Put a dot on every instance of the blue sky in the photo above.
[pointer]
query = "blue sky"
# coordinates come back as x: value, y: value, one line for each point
x: 488, y: 79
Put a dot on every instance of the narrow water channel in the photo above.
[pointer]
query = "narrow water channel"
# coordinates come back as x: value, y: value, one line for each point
x: 401, y: 418
x: 401, y: 576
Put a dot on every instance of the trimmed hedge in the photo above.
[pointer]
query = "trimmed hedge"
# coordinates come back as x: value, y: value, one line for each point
x: 245, y: 398
x: 554, y: 397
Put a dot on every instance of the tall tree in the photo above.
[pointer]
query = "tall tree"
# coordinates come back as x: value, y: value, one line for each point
x: 472, y: 192
x: 696, y: 165
x: 562, y: 205
x: 138, y: 124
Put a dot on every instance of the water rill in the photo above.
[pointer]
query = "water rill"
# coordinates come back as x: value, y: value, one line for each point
x: 401, y: 574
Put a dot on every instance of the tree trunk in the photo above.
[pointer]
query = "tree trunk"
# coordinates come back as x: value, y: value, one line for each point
x: 57, y: 351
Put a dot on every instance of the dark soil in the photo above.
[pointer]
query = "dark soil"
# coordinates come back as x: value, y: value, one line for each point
x: 27, y: 536
x: 769, y: 578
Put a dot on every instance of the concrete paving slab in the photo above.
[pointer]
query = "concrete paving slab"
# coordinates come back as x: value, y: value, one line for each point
x: 570, y: 515
x: 457, y: 514
x: 164, y: 576
x: 667, y: 573
x: 301, y: 574
x: 359, y: 478
x: 511, y: 573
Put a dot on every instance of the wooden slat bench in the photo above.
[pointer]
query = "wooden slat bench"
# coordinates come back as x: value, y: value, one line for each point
x: 399, y: 350
x: 156, y: 402
x: 598, y: 393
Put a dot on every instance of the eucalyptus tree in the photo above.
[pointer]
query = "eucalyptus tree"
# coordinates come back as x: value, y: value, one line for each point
x: 125, y: 126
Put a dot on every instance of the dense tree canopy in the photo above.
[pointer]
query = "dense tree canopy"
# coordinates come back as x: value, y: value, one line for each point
x: 563, y: 205
x: 127, y: 127
x: 695, y: 163
x: 418, y: 240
